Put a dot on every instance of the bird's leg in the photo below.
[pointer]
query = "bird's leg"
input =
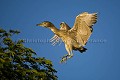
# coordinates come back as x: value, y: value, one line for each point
x: 71, y: 55
x: 66, y: 57
x: 69, y: 50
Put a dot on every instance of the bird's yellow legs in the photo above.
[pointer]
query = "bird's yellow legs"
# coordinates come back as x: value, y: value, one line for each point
x: 69, y: 55
x: 66, y: 57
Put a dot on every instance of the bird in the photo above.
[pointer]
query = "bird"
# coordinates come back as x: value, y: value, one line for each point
x: 74, y: 38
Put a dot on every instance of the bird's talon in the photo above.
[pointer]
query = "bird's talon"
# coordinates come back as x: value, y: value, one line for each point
x: 66, y: 57
x: 63, y: 60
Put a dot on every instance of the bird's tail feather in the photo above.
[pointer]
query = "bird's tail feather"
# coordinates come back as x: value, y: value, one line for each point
x: 82, y: 49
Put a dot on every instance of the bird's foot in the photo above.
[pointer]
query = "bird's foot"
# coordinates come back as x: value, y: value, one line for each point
x: 63, y: 60
x: 70, y: 56
x: 66, y: 57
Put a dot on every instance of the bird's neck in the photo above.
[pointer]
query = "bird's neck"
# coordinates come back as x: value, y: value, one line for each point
x: 54, y: 30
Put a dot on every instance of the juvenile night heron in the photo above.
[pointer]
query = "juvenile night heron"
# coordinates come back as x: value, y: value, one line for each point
x: 75, y: 38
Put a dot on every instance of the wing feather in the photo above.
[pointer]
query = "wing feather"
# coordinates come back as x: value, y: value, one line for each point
x: 56, y: 39
x: 82, y: 28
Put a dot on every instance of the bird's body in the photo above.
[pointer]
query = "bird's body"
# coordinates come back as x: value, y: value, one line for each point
x: 74, y: 38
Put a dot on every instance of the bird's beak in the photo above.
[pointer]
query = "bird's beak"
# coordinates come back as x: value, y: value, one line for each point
x: 39, y: 24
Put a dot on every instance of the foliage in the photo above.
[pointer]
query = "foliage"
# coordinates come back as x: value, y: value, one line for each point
x: 18, y: 62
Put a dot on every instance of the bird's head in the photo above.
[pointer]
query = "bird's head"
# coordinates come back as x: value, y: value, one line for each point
x: 45, y: 24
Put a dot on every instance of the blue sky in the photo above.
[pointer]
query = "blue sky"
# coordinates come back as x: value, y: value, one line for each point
x: 102, y: 59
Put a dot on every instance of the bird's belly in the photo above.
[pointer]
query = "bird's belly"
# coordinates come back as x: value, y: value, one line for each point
x: 70, y: 41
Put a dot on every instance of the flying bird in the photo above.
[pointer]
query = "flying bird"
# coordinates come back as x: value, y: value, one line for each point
x: 74, y: 38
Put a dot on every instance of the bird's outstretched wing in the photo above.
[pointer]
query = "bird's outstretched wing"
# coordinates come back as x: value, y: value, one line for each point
x: 56, y: 39
x: 82, y: 28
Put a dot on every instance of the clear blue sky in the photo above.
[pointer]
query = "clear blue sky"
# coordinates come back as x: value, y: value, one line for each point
x: 102, y: 59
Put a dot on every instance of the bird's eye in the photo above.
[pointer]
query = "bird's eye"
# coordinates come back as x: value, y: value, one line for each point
x: 44, y: 23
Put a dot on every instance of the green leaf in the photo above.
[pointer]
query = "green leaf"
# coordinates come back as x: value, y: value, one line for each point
x: 21, y: 63
x: 14, y: 31
x: 2, y: 30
